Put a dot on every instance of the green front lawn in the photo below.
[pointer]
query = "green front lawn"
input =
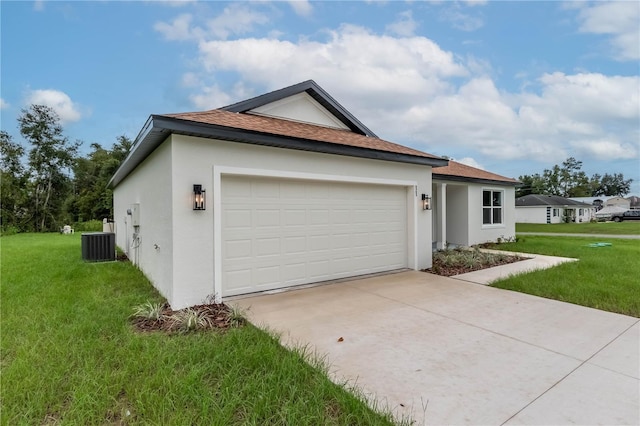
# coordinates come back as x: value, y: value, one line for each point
x: 622, y: 228
x: 606, y: 278
x: 70, y: 356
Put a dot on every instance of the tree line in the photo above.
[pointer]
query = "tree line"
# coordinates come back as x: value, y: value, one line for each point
x: 46, y: 183
x: 568, y: 180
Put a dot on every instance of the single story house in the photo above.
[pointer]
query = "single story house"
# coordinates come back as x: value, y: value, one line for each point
x: 289, y: 188
x: 471, y: 206
x: 536, y: 208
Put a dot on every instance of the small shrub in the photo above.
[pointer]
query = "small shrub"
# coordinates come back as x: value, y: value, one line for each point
x: 188, y: 320
x: 148, y: 310
x: 236, y: 316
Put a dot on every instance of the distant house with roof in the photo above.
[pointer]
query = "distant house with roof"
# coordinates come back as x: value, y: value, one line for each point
x: 537, y: 208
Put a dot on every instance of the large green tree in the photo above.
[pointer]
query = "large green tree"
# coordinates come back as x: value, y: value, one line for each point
x: 91, y: 198
x: 568, y: 180
x: 50, y: 158
x: 13, y: 181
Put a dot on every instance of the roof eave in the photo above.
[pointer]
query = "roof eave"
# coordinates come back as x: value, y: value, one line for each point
x: 158, y: 128
x: 465, y: 179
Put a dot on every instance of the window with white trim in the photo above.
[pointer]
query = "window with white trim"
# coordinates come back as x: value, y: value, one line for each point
x: 492, y: 207
x: 556, y: 212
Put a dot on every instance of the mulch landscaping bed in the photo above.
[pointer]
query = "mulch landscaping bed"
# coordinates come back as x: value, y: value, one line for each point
x: 440, y: 267
x: 217, y: 316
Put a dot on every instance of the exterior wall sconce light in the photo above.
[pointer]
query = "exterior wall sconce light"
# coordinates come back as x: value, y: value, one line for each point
x: 426, y: 202
x: 199, y: 200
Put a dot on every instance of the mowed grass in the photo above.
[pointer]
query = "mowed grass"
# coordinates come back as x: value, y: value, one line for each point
x: 613, y: 228
x: 606, y: 278
x: 70, y: 356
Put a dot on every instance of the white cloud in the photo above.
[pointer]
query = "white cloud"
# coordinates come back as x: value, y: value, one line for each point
x: 432, y: 99
x: 175, y: 3
x: 470, y: 162
x: 461, y: 20
x: 404, y: 25
x: 3, y: 104
x: 59, y: 101
x: 210, y: 97
x: 618, y: 19
x: 38, y: 5
x: 190, y: 79
x: 301, y: 7
x: 235, y: 19
x: 475, y: 2
x: 605, y: 149
x: 179, y: 29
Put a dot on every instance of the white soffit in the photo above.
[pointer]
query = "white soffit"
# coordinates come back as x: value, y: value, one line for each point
x: 301, y: 108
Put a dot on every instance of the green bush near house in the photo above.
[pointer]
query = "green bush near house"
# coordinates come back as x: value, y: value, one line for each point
x: 69, y: 355
x: 605, y: 277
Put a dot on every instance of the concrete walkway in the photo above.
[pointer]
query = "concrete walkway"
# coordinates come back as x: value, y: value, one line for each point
x: 533, y: 262
x: 444, y: 351
x: 596, y: 236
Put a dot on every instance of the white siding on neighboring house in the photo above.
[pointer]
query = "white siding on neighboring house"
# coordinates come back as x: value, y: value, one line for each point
x: 536, y: 214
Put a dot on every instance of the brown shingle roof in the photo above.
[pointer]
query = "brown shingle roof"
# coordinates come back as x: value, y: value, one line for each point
x: 461, y: 170
x: 280, y: 127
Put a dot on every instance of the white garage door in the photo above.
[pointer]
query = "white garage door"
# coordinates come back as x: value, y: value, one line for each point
x: 282, y: 232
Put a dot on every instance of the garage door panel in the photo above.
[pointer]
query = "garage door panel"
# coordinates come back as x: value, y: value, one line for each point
x: 279, y: 232
x: 295, y: 245
x: 267, y: 217
x: 319, y: 217
x: 238, y: 249
x: 267, y: 246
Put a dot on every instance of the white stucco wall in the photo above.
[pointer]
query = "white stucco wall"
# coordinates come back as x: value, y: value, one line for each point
x: 149, y: 185
x: 457, y: 214
x: 531, y: 215
x: 192, y: 232
x: 538, y: 214
x: 480, y: 233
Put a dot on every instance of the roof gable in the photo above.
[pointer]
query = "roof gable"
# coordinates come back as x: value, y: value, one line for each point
x: 314, y: 91
x: 301, y: 108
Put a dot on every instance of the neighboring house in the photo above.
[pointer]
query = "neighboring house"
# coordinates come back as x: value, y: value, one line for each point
x: 535, y: 208
x: 284, y: 189
x: 471, y: 206
x: 618, y: 202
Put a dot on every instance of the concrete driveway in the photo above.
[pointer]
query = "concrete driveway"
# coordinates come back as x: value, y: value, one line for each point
x: 444, y: 351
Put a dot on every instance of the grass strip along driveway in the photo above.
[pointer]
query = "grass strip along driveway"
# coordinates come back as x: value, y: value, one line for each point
x: 605, y: 278
x: 70, y: 355
x: 602, y: 228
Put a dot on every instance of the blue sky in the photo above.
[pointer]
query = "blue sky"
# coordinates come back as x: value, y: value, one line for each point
x: 511, y: 87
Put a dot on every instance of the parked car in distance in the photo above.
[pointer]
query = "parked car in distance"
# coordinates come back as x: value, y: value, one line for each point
x: 628, y: 215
